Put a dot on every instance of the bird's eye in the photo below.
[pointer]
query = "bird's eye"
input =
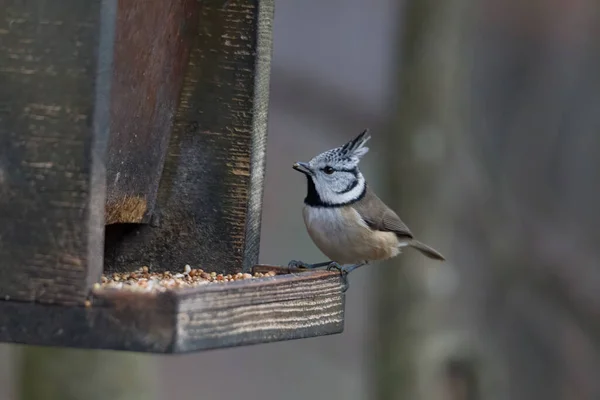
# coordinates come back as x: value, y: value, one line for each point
x: 328, y: 170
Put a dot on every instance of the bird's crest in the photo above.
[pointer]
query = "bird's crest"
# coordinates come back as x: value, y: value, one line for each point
x: 356, y: 147
x: 351, y: 152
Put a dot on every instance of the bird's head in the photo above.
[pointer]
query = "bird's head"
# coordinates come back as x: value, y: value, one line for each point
x: 333, y: 176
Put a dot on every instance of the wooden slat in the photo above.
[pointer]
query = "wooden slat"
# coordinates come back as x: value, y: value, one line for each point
x: 283, y: 307
x: 153, y: 42
x: 255, y: 312
x: 210, y: 195
x: 55, y: 72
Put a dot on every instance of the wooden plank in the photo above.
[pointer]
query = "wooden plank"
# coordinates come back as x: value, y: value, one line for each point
x: 210, y: 195
x: 55, y: 71
x: 152, y: 46
x: 283, y: 307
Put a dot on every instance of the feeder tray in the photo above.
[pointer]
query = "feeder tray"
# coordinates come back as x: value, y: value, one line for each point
x: 134, y: 134
x: 272, y: 308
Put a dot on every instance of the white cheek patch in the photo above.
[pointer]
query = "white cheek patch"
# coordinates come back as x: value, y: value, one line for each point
x: 331, y: 197
x: 352, y: 194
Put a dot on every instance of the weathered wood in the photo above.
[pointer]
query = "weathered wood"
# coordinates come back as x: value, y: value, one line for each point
x: 152, y: 46
x: 237, y: 313
x: 55, y: 72
x: 210, y: 194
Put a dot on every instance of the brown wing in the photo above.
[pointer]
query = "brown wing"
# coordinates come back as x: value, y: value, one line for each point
x: 379, y: 216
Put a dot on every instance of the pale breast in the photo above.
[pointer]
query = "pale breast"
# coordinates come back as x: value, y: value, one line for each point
x: 343, y: 236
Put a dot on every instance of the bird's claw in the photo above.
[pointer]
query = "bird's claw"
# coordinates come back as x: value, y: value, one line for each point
x: 334, y: 265
x: 345, y: 271
x: 343, y: 275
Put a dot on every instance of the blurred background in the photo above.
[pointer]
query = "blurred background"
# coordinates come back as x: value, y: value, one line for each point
x: 485, y: 118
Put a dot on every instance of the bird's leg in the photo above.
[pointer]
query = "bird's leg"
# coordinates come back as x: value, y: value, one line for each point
x: 302, y: 264
x: 351, y: 268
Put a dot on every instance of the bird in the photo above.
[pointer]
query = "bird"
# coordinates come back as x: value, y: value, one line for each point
x: 344, y: 217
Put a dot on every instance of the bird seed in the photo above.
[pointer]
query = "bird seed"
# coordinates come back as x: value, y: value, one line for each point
x: 145, y: 280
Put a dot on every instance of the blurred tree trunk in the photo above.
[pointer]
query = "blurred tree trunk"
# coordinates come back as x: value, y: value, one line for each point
x: 70, y: 374
x: 427, y: 113
x: 495, y: 146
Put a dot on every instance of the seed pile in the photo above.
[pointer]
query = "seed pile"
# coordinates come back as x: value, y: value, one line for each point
x: 145, y: 280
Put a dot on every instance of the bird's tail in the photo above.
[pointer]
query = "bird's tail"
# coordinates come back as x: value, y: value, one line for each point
x: 426, y: 250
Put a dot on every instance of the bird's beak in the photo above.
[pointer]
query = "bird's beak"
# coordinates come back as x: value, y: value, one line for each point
x: 302, y: 167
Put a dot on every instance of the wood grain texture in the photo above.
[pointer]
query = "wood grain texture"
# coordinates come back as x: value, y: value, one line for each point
x: 283, y: 307
x: 55, y: 67
x: 152, y: 46
x: 210, y: 194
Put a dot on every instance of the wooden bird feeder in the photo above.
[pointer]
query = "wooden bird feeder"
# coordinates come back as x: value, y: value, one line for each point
x: 134, y: 134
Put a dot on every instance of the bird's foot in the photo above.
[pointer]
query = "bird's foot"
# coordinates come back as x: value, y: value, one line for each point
x: 302, y: 264
x: 334, y: 265
x: 331, y: 265
x: 297, y: 264
x: 344, y: 271
x: 343, y: 274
